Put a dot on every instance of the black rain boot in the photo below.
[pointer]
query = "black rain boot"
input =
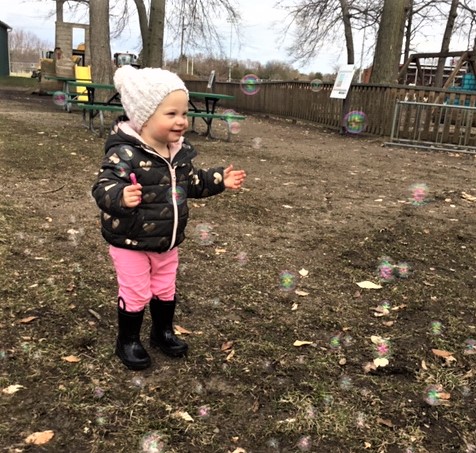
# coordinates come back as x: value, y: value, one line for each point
x: 162, y: 334
x: 128, y: 346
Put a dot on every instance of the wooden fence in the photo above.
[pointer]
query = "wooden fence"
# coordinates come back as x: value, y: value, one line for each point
x: 296, y: 100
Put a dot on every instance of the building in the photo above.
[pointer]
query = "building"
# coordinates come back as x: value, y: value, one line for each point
x: 4, y: 49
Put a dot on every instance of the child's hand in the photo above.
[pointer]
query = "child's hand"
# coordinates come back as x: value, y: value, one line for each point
x: 233, y: 179
x: 132, y: 196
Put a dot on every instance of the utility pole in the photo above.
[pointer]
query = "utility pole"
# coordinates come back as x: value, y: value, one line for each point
x: 231, y: 22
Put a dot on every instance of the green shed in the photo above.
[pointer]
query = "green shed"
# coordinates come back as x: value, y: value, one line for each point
x: 4, y: 49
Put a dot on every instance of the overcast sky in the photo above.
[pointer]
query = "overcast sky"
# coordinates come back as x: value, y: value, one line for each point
x: 260, y: 36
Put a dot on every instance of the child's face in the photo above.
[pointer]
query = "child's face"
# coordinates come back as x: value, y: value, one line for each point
x: 169, y: 121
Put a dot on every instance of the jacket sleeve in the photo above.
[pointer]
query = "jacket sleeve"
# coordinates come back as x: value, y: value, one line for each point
x: 113, y: 176
x: 206, y: 183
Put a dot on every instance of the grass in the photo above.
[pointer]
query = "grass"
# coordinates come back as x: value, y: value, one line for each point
x: 18, y: 81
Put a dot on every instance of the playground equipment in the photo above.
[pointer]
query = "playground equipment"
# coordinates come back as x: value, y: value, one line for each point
x: 124, y: 59
x: 415, y: 71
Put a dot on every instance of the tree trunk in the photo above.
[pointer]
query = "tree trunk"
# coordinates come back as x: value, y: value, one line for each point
x: 389, y: 41
x: 445, y: 43
x: 101, y: 64
x: 144, y: 28
x: 408, y: 33
x: 153, y: 52
x: 349, y: 41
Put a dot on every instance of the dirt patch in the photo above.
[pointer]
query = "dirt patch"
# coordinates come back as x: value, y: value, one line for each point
x: 280, y: 264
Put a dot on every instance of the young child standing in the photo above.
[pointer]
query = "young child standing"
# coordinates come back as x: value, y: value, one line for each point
x: 142, y: 188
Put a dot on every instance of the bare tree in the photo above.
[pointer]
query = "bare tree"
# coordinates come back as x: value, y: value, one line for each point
x: 193, y: 21
x: 25, y: 46
x: 467, y: 22
x: 389, y: 41
x: 317, y: 22
x: 99, y: 40
x: 445, y: 43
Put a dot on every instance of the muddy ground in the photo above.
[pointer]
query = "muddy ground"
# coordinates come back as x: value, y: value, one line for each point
x: 282, y: 338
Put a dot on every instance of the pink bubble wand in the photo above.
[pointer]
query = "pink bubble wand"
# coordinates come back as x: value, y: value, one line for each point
x: 134, y: 181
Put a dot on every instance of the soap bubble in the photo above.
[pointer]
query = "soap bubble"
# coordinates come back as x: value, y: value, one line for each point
x: 433, y: 395
x: 418, y: 194
x: 382, y: 349
x: 203, y: 411
x: 242, y: 258
x: 153, y: 442
x: 335, y: 342
x: 178, y: 194
x: 203, y: 234
x: 273, y: 443
x: 402, y: 270
x: 234, y: 127
x: 138, y: 382
x: 436, y: 327
x: 355, y: 122
x: 385, y: 269
x: 256, y: 142
x: 345, y: 383
x: 304, y: 443
x: 250, y: 84
x: 316, y: 85
x: 60, y: 98
x: 287, y: 280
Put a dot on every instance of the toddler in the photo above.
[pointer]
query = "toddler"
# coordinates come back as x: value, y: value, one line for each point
x: 142, y: 188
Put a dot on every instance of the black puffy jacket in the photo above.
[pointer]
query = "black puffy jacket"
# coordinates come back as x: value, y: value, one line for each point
x: 158, y: 223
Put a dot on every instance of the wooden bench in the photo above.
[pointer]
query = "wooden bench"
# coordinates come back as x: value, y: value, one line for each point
x: 209, y: 117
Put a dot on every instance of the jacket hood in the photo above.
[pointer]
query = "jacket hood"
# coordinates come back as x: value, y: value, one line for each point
x: 123, y: 134
x: 119, y: 137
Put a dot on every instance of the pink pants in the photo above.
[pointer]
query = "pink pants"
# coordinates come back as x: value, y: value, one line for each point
x: 143, y: 275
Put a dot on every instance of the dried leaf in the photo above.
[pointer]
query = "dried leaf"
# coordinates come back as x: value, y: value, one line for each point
x: 367, y: 445
x: 219, y: 251
x: 230, y: 355
x: 301, y: 293
x: 181, y: 331
x: 304, y: 272
x: 467, y: 196
x: 444, y: 395
x: 448, y: 356
x: 423, y: 365
x: 184, y: 415
x: 381, y: 361
x: 388, y: 323
x: 376, y: 339
x: 11, y: 389
x: 226, y: 346
x: 294, y: 307
x: 40, y: 438
x: 28, y: 319
x: 442, y: 353
x: 369, y: 285
x: 299, y: 343
x: 384, y: 421
x: 95, y: 314
x: 342, y: 361
x: 71, y: 359
x: 368, y: 367
x: 238, y: 450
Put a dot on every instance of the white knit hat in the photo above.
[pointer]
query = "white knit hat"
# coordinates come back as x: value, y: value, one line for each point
x: 142, y: 90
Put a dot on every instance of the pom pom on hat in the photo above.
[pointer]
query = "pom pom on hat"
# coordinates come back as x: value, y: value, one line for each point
x: 142, y: 90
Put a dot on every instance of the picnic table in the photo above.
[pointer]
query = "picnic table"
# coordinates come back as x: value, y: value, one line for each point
x: 209, y: 113
x: 93, y: 108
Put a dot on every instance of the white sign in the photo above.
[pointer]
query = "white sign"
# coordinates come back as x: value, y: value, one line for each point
x: 342, y: 83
